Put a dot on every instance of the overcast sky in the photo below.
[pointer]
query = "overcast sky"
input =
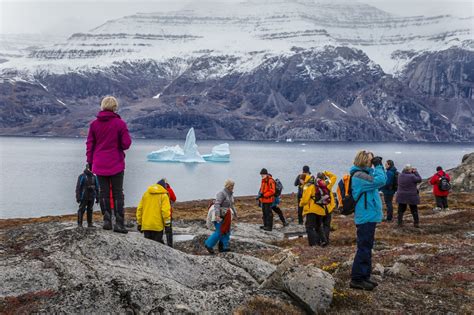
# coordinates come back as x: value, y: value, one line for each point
x: 70, y: 16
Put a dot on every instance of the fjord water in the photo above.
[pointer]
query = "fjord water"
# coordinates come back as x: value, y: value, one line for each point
x: 38, y: 175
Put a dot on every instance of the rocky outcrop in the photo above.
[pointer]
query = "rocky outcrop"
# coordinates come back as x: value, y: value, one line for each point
x: 94, y: 271
x: 335, y: 93
x: 462, y: 176
x: 310, y: 286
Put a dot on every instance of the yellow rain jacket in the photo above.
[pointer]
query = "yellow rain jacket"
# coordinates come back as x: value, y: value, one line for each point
x: 309, y: 191
x: 154, y: 210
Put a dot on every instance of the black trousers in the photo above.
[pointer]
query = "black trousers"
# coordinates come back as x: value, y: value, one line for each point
x: 300, y: 212
x: 442, y: 202
x: 389, y: 203
x: 402, y: 207
x: 116, y: 181
x: 156, y: 236
x: 267, y: 215
x: 317, y: 228
x: 85, y: 205
x: 278, y: 211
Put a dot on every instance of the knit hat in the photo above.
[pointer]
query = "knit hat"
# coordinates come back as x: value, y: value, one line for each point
x: 306, y: 169
x: 162, y: 182
x: 264, y: 171
x: 439, y: 168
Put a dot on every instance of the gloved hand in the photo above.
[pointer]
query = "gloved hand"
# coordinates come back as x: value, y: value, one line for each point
x: 139, y: 228
x: 376, y: 161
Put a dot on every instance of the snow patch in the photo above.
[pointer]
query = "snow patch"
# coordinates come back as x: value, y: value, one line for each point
x: 60, y: 101
x: 338, y: 108
x: 444, y: 117
x: 157, y: 96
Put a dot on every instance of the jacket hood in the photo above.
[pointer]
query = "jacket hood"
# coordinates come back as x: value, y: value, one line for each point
x: 356, y: 168
x: 106, y: 115
x: 157, y: 189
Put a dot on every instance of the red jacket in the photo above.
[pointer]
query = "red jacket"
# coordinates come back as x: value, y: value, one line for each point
x: 172, y: 198
x: 434, y: 180
x: 268, y: 189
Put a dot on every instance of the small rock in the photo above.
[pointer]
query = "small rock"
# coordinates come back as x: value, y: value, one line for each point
x: 399, y: 270
x: 379, y: 269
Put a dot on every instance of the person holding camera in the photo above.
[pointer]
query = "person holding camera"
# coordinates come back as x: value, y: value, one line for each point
x: 266, y: 197
x: 408, y: 194
x: 368, y: 175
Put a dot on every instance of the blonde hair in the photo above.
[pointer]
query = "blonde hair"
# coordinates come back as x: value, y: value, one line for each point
x: 362, y: 158
x: 407, y: 168
x: 109, y: 103
x: 229, y: 183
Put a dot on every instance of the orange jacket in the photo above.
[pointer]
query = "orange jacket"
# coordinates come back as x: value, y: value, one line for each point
x: 267, y: 188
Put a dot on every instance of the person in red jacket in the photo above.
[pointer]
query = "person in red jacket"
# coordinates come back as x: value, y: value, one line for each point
x: 266, y: 197
x: 440, y: 188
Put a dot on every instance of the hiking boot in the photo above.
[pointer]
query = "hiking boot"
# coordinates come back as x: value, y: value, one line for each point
x: 286, y: 223
x: 225, y: 250
x: 417, y: 225
x: 90, y: 225
x: 262, y: 226
x: 372, y: 282
x: 120, y: 229
x: 210, y: 250
x: 107, y: 226
x: 267, y: 228
x: 361, y: 285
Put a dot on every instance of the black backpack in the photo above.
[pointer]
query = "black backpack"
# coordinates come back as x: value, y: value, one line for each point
x: 348, y: 202
x: 278, y: 187
x: 395, y: 181
x: 90, y: 183
x: 444, y: 184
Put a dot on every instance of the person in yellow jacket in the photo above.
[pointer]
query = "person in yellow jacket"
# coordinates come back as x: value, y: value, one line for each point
x: 318, y: 203
x: 154, y: 213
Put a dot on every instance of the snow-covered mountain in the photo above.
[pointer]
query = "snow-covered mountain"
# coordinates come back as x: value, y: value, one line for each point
x: 257, y: 27
x: 252, y: 70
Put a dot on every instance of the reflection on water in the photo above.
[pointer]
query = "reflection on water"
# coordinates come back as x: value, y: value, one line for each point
x: 39, y: 177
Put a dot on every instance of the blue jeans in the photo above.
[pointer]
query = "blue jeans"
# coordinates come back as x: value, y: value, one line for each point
x: 217, y: 236
x: 362, y: 266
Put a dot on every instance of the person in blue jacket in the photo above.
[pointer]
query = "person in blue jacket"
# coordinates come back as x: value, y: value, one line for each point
x: 368, y: 175
x: 389, y: 188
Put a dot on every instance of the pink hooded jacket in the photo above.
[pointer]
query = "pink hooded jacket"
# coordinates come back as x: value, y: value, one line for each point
x: 107, y: 140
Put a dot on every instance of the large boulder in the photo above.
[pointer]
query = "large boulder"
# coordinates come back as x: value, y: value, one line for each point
x: 310, y: 286
x: 462, y: 176
x: 64, y: 269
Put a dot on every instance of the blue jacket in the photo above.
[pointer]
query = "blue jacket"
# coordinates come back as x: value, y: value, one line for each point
x: 387, y: 188
x: 369, y: 207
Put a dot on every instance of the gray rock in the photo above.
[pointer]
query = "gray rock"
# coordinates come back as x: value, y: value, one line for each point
x: 379, y: 269
x: 310, y: 286
x: 97, y: 271
x: 399, y: 270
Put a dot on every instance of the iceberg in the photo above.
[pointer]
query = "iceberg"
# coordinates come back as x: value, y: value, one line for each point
x: 190, y: 153
x: 219, y: 153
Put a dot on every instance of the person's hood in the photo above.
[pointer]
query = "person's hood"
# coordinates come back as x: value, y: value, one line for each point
x: 356, y: 168
x: 106, y: 115
x: 157, y: 189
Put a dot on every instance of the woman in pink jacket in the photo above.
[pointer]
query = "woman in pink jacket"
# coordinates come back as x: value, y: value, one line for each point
x: 107, y: 140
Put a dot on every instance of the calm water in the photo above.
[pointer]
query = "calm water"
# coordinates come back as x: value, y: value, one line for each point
x: 38, y: 176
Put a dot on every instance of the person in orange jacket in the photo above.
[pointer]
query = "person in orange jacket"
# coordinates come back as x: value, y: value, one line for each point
x: 266, y: 197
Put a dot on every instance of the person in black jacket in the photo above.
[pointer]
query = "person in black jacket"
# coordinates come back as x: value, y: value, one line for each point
x: 300, y: 185
x: 87, y: 190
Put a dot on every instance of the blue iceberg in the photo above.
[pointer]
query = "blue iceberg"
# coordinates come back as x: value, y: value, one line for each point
x: 190, y: 153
